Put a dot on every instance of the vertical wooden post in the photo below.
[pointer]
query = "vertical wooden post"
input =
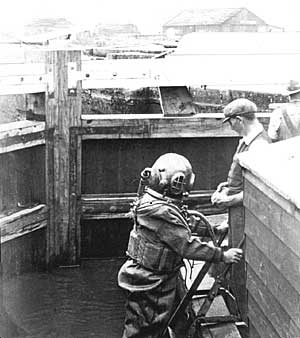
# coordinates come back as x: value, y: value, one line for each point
x: 63, y: 113
x: 238, y: 272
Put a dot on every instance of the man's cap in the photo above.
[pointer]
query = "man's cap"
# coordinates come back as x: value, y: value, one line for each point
x: 293, y: 88
x: 239, y: 107
x: 292, y: 92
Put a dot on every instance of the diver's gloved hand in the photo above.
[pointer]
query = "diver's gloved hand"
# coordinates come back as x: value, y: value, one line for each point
x: 233, y: 255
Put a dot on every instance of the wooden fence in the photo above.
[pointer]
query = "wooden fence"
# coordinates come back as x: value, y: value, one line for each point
x: 272, y: 228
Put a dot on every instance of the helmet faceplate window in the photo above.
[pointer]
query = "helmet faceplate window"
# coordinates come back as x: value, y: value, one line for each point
x: 177, y: 183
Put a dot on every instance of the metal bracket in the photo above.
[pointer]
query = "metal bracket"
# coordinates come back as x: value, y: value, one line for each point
x: 74, y: 75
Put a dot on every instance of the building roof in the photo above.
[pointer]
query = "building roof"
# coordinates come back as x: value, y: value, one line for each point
x: 210, y: 16
x: 220, y: 43
x: 261, y: 62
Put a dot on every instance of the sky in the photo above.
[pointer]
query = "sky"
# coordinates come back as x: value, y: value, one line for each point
x: 148, y: 15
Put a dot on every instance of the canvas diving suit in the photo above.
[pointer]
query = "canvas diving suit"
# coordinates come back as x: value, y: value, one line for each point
x: 158, y: 242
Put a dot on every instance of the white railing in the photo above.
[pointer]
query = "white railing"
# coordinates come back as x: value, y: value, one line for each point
x: 241, y: 72
x: 21, y: 78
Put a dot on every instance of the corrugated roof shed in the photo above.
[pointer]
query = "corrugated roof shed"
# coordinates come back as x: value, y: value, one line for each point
x: 211, y: 16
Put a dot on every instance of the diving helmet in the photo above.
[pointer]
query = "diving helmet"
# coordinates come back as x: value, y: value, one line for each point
x: 171, y: 175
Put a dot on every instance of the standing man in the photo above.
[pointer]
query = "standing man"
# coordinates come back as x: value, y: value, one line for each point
x: 285, y: 121
x: 240, y: 114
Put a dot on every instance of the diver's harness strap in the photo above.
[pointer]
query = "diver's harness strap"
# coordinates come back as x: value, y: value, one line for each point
x: 155, y: 257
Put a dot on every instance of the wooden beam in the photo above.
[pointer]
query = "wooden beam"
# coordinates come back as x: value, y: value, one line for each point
x: 101, y: 206
x: 21, y: 78
x: 24, y: 78
x: 22, y: 89
x: 120, y: 73
x: 20, y: 128
x: 106, y: 206
x: 23, y: 222
x: 75, y: 191
x: 203, y: 69
x: 238, y: 273
x: 20, y: 135
x: 164, y: 127
x: 52, y: 232
x: 156, y: 126
x: 21, y: 69
x: 63, y: 109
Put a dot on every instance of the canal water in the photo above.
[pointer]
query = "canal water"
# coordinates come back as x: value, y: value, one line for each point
x: 74, y: 302
x: 78, y: 302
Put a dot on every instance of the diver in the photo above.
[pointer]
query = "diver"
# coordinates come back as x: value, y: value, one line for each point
x: 160, y: 239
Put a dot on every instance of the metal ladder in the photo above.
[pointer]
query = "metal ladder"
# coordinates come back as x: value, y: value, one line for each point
x: 200, y: 326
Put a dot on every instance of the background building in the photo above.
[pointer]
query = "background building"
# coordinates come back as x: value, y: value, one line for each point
x: 216, y: 20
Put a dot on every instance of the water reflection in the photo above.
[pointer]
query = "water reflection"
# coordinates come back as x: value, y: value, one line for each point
x: 69, y: 302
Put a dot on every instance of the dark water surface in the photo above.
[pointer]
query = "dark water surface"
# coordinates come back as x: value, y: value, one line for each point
x: 68, y: 302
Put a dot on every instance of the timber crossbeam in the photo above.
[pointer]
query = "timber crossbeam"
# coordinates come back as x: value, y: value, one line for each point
x: 23, y: 222
x: 20, y: 135
x: 104, y: 206
x: 157, y: 126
